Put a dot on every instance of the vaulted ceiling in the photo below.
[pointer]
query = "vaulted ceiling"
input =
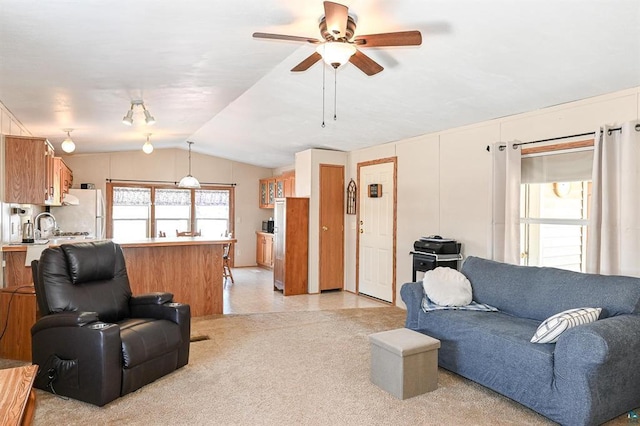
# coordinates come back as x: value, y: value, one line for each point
x: 79, y: 63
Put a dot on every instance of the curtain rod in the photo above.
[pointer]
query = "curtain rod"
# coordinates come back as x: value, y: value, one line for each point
x: 615, y: 129
x: 166, y: 181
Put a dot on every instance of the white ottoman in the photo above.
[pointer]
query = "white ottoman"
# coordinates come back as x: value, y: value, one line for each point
x: 404, y: 362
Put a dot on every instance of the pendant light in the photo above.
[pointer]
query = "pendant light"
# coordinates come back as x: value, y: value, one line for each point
x: 189, y: 181
x: 68, y: 145
x: 147, y: 147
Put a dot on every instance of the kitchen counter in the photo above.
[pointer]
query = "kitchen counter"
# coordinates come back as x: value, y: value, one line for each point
x: 188, y: 267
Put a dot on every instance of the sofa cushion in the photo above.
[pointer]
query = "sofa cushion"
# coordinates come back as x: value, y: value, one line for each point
x: 540, y: 292
x: 551, y: 328
x: 447, y: 287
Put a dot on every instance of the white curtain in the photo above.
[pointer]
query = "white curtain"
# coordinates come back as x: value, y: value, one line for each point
x: 506, y: 202
x: 613, y: 236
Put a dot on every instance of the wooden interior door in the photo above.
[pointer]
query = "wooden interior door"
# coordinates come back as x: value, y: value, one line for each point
x: 376, y: 231
x: 331, y: 274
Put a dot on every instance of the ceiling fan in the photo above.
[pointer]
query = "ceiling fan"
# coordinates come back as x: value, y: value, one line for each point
x: 339, y: 44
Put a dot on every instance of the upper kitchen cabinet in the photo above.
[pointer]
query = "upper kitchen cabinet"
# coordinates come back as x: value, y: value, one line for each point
x: 28, y: 171
x: 276, y: 187
x: 63, y: 178
x: 267, y: 193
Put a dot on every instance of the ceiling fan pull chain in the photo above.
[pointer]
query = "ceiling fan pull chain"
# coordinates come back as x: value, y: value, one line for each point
x: 323, y: 83
x: 335, y: 93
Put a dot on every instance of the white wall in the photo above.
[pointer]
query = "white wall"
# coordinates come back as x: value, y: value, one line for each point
x: 444, y: 179
x: 171, y: 165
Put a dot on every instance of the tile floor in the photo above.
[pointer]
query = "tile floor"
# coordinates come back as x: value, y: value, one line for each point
x: 253, y: 293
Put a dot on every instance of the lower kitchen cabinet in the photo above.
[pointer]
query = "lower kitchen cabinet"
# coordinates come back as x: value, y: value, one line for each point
x: 264, y: 249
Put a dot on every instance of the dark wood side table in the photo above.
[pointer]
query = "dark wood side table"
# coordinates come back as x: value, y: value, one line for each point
x: 17, y: 398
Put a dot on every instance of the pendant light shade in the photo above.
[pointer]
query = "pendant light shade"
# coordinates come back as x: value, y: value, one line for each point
x: 68, y: 145
x: 147, y: 148
x: 189, y: 181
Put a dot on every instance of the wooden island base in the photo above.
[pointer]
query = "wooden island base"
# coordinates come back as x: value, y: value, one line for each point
x: 190, y: 268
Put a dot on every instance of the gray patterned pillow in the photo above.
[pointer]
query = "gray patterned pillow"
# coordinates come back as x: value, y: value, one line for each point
x: 555, y: 325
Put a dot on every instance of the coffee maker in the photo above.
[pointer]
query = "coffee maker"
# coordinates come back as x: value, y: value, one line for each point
x: 27, y: 232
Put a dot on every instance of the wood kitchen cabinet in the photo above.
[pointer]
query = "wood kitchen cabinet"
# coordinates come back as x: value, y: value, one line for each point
x: 267, y: 193
x: 29, y: 171
x: 291, y: 246
x: 276, y: 187
x: 66, y: 176
x: 264, y: 249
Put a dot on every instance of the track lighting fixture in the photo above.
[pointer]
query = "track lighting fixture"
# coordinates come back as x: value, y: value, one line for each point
x: 147, y: 147
x: 68, y: 145
x: 189, y: 181
x: 128, y: 118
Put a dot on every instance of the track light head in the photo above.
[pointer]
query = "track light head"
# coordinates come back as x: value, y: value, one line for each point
x: 128, y: 119
x: 148, y: 118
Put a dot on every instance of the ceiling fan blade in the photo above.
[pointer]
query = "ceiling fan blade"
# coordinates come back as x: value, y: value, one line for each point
x: 365, y: 63
x: 402, y: 38
x: 336, y: 18
x: 304, y: 65
x: 286, y: 37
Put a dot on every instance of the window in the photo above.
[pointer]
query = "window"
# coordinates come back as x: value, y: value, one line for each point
x: 130, y: 212
x: 554, y: 205
x: 133, y: 214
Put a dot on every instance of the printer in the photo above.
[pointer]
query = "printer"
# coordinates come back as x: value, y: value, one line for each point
x: 435, y: 244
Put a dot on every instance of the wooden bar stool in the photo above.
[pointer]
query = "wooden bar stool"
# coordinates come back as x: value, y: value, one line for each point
x: 226, y: 267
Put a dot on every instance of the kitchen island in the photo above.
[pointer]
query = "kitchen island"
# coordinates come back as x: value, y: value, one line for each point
x: 188, y: 267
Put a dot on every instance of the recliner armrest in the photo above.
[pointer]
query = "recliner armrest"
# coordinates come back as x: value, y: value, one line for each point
x: 157, y: 298
x: 64, y: 319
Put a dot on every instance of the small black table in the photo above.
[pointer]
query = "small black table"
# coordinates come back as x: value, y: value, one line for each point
x: 425, y: 261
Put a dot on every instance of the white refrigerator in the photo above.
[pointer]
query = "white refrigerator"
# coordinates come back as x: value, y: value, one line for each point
x: 87, y: 216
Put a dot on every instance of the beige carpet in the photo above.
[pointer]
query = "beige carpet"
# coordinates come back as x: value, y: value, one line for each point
x: 292, y: 368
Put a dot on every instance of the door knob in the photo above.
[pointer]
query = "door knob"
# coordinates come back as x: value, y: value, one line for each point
x: 324, y: 228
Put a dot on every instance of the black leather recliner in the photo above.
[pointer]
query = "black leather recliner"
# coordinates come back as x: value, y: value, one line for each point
x: 95, y: 341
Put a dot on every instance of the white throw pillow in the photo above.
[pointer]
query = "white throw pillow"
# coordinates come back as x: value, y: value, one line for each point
x: 447, y: 287
x: 551, y: 328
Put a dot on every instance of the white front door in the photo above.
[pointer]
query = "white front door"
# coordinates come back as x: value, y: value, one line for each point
x: 376, y: 232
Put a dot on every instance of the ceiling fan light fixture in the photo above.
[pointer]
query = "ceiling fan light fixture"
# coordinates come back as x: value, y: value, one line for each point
x: 336, y: 53
x: 189, y: 181
x: 68, y: 145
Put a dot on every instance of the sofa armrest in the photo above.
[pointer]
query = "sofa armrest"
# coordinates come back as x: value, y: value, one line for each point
x: 412, y: 294
x: 603, y: 341
x: 64, y: 319
x: 600, y: 360
x: 157, y: 298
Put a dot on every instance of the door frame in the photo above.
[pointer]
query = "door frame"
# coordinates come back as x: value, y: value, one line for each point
x: 393, y: 160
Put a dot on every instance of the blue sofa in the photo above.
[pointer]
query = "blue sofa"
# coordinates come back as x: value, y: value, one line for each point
x: 592, y: 373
